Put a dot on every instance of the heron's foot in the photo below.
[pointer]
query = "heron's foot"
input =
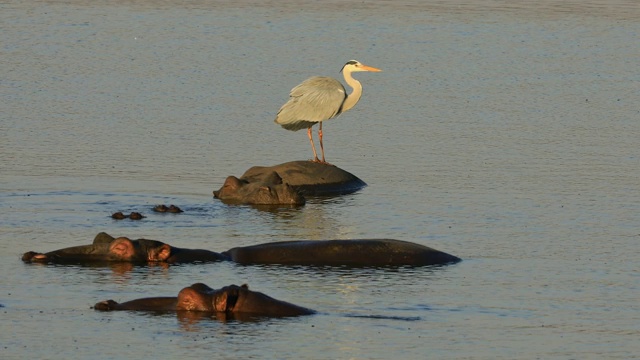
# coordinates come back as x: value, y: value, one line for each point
x: 316, y: 160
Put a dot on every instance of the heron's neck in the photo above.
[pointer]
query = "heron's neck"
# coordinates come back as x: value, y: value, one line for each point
x: 353, y: 98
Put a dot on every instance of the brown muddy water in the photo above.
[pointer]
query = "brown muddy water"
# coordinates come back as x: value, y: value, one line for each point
x: 504, y: 132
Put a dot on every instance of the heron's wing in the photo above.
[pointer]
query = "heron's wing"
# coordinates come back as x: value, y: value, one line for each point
x: 315, y: 99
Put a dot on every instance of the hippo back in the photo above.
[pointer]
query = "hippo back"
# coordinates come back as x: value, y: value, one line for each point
x: 357, y: 252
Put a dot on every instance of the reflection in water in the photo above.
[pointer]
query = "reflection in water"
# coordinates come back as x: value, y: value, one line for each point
x: 121, y: 268
x: 117, y: 268
x: 385, y: 317
x: 189, y: 320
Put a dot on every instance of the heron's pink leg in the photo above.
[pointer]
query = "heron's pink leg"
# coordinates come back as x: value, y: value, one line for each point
x: 313, y: 147
x: 321, y: 145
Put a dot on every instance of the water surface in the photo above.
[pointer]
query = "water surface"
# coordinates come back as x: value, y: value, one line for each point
x: 502, y: 132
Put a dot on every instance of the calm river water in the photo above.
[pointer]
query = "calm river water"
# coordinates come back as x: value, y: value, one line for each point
x: 504, y: 132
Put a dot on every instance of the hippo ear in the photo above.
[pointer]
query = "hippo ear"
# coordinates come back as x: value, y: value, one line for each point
x: 122, y: 248
x: 163, y: 253
x: 232, y: 183
x: 273, y: 178
x: 103, y: 238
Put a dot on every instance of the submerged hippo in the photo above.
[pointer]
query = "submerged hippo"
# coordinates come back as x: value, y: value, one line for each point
x: 309, y: 178
x: 162, y: 208
x: 287, y: 184
x: 107, y: 249
x: 133, y: 216
x: 232, y: 300
x: 269, y: 191
x: 357, y: 252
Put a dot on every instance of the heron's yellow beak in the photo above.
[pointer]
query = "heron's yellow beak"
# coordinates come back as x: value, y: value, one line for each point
x: 369, y: 68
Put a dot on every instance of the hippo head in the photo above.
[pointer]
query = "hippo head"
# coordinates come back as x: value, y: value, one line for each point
x: 234, y: 299
x: 141, y: 250
x: 121, y: 249
x: 198, y: 297
x: 269, y: 190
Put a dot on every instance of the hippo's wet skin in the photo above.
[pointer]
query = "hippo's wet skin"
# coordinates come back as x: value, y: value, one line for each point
x: 309, y: 178
x: 232, y: 300
x: 269, y: 191
x: 287, y: 184
x: 363, y: 252
x: 107, y: 249
x: 167, y: 209
x: 358, y: 252
x: 133, y: 216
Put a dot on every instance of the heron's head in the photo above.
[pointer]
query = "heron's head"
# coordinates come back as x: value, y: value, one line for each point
x: 355, y: 65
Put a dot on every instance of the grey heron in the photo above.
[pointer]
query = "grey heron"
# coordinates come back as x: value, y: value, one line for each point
x: 321, y: 98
